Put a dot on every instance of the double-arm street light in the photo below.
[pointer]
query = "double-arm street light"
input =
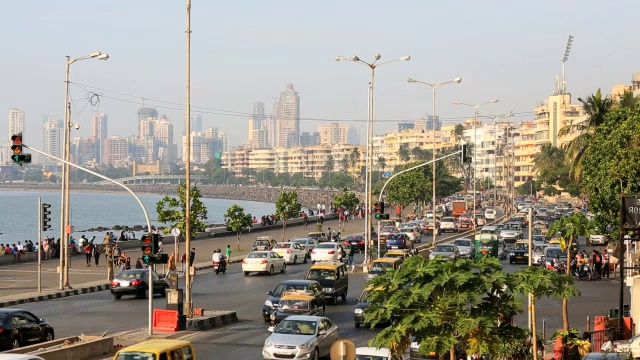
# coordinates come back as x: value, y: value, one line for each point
x: 475, y: 159
x: 495, y: 152
x: 369, y: 159
x: 433, y: 128
x: 64, y: 204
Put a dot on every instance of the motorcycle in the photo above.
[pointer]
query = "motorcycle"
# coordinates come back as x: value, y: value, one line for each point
x: 220, y: 267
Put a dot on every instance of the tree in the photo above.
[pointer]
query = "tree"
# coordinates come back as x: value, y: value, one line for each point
x: 287, y: 207
x: 627, y: 100
x: 409, y: 187
x: 569, y: 228
x: 330, y: 165
x: 347, y: 199
x: 442, y: 304
x: 344, y: 163
x: 237, y: 220
x: 553, y: 170
x: 596, y: 108
x: 354, y: 157
x: 173, y: 211
x: 420, y: 154
x: 382, y: 164
x: 403, y: 153
x: 458, y: 131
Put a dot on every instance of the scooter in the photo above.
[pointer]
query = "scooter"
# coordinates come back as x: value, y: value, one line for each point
x: 220, y: 267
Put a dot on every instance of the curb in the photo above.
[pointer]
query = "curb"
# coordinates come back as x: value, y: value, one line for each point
x: 57, y: 295
x: 208, y: 322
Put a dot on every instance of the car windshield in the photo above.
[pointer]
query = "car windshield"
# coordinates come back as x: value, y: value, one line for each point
x: 378, y: 267
x: 511, y: 227
x: 479, y: 216
x: 282, y: 246
x: 443, y: 248
x: 300, y: 241
x: 301, y: 305
x: 553, y: 252
x: 450, y: 220
x: 461, y: 242
x: 127, y: 275
x: 388, y: 229
x: 317, y: 274
x: 135, y: 355
x: 283, y: 287
x: 301, y: 327
x: 326, y: 246
x: 394, y: 255
x: 520, y: 246
x: 262, y: 243
x: 395, y: 237
x: 258, y: 255
x: 539, y: 249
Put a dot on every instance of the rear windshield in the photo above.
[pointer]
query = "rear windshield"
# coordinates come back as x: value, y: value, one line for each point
x: 262, y: 242
x: 282, y: 246
x: 135, y: 355
x: 258, y: 255
x: 326, y: 246
x: 378, y: 267
x: 462, y: 243
x: 520, y: 246
x: 317, y: 274
x: 302, y: 305
x: 443, y: 248
x: 131, y: 275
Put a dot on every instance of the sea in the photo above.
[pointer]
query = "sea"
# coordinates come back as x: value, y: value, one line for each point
x: 19, y: 212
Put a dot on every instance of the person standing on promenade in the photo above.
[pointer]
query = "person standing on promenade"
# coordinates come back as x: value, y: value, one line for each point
x: 87, y: 252
x: 96, y: 253
x: 192, y: 256
x: 109, y: 255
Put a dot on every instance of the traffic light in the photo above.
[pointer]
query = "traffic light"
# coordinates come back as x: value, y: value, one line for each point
x: 17, y: 155
x: 381, y: 207
x: 379, y: 214
x: 147, y: 246
x: 377, y: 209
x: 466, y: 157
x: 45, y: 216
x: 155, y: 239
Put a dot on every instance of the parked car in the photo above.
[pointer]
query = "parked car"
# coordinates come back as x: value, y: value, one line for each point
x: 466, y: 248
x: 448, y: 224
x: 273, y: 297
x: 22, y: 328
x: 291, y: 252
x: 300, y: 337
x: 308, y: 244
x: 446, y: 251
x: 135, y: 282
x: 263, y: 261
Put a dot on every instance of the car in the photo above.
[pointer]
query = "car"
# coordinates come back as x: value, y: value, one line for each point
x: 308, y: 244
x: 489, y: 230
x: 480, y: 220
x: 466, y: 248
x: 300, y: 337
x: 490, y: 214
x: 607, y: 356
x: 296, y: 302
x: 511, y: 233
x: 398, y: 241
x: 385, y: 231
x: 552, y: 252
x: 355, y: 241
x: 135, y: 282
x: 263, y: 243
x: 263, y: 261
x: 446, y: 251
x: 519, y: 252
x: 402, y: 254
x: 631, y: 345
x: 599, y: 238
x: 538, y: 254
x: 430, y: 228
x: 22, y: 328
x: 538, y: 240
x: 465, y: 223
x: 373, y: 353
x: 273, y: 296
x: 422, y: 224
x: 448, y: 224
x: 19, y: 357
x: 291, y: 252
x: 411, y: 234
x: 327, y: 251
x: 318, y: 236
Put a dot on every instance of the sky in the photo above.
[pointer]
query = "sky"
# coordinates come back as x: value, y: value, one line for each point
x: 246, y: 51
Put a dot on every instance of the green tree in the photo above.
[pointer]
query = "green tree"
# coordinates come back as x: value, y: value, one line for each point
x: 569, y: 228
x: 458, y: 132
x: 354, y: 157
x: 412, y: 186
x: 330, y: 165
x: 627, y: 100
x: 344, y: 164
x: 420, y: 154
x: 173, y: 211
x: 287, y: 207
x: 553, y: 170
x: 596, y: 108
x: 382, y: 164
x: 335, y: 181
x: 403, y: 153
x: 442, y: 304
x: 347, y: 199
x: 237, y: 220
x: 299, y: 180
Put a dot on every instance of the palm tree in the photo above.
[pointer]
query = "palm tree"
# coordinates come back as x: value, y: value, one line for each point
x: 382, y: 164
x: 420, y: 154
x: 546, y: 155
x: 458, y: 131
x: 627, y: 100
x: 403, y: 153
x: 596, y: 107
x: 345, y: 164
x: 354, y: 157
x: 330, y: 165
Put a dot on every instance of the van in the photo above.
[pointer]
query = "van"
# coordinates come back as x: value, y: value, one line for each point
x: 158, y: 349
x: 381, y: 265
x: 334, y: 278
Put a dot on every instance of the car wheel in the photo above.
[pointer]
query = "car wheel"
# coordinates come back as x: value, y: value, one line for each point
x: 316, y: 355
x: 284, y: 268
x: 334, y: 299
x: 49, y: 336
x: 246, y: 273
x: 271, y: 270
x: 217, y: 271
x: 117, y: 297
x: 295, y: 259
x: 15, y: 343
x: 510, y: 262
x: 145, y: 293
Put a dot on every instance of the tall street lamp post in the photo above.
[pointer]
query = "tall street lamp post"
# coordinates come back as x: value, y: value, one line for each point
x: 369, y: 159
x: 495, y: 153
x: 475, y: 159
x: 64, y: 203
x: 433, y: 128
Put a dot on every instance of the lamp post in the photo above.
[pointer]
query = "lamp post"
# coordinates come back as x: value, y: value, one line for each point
x: 433, y: 127
x: 64, y: 203
x: 495, y: 152
x: 369, y: 160
x: 475, y: 160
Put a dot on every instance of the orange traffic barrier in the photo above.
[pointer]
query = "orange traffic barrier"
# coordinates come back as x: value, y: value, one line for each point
x: 165, y: 320
x: 600, y: 323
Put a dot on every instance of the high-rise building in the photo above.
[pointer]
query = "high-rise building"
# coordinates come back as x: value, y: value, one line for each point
x: 52, y: 136
x: 333, y: 133
x: 288, y: 121
x: 196, y: 123
x: 353, y: 137
x: 115, y: 152
x: 405, y: 125
x: 146, y: 113
x: 256, y: 120
x: 16, y: 121
x: 426, y: 123
x: 99, y: 135
x: 309, y: 139
x: 163, y: 135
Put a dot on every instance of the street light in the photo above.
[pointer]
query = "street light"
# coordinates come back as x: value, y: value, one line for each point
x: 369, y: 160
x: 475, y: 120
x: 495, y: 151
x: 64, y: 204
x: 433, y: 127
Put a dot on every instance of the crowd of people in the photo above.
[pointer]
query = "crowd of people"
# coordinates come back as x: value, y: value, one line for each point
x: 16, y: 250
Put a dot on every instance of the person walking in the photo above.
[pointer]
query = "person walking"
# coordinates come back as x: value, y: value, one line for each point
x: 109, y: 255
x: 605, y: 262
x: 350, y: 260
x: 96, y: 253
x: 87, y: 252
x: 228, y: 253
x: 183, y: 261
x: 192, y: 256
x: 306, y: 219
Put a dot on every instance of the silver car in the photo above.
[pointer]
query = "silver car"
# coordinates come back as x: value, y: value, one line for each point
x: 466, y: 248
x: 446, y: 251
x: 300, y: 337
x: 307, y: 244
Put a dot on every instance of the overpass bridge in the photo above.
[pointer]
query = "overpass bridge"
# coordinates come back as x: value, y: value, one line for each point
x: 155, y: 179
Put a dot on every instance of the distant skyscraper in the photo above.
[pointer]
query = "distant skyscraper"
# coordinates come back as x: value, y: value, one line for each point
x: 16, y: 122
x: 257, y: 119
x: 309, y: 139
x: 115, y: 153
x: 426, y: 123
x: 333, y: 133
x: 163, y: 134
x: 405, y: 126
x: 288, y: 121
x: 353, y: 137
x: 196, y: 123
x: 146, y: 113
x: 52, y: 136
x: 99, y: 135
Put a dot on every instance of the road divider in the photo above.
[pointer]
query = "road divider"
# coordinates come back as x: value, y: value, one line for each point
x: 76, y: 347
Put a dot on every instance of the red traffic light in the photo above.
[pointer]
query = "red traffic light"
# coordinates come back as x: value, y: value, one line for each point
x: 17, y: 139
x: 146, y: 239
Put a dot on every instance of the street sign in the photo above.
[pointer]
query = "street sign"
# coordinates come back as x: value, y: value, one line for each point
x: 175, y: 232
x: 631, y: 211
x: 387, y: 174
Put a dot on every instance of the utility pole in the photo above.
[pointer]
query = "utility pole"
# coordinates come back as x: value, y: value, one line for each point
x: 188, y: 306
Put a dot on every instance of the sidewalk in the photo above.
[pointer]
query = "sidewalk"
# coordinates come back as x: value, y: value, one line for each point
x: 22, y: 283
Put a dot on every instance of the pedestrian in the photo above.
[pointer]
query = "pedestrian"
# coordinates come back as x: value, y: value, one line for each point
x: 192, y: 256
x: 88, y: 251
x: 138, y: 263
x: 607, y: 345
x: 96, y: 253
x: 350, y: 259
x: 306, y: 219
x: 109, y: 255
x: 605, y: 262
x: 228, y: 253
x: 183, y: 261
x: 597, y: 262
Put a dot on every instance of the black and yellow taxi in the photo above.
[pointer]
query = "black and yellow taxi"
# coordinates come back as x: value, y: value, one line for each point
x: 362, y: 305
x: 519, y: 252
x: 296, y: 302
x: 158, y: 349
x: 334, y: 278
x: 383, y: 265
x: 318, y: 236
x: 399, y: 254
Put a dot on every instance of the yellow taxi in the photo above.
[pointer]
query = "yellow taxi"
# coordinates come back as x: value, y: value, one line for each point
x: 381, y: 265
x: 400, y: 254
x: 158, y: 349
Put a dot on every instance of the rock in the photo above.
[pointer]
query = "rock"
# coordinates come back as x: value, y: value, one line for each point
x: 116, y: 227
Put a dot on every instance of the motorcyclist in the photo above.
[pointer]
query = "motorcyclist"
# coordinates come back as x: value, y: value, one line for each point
x: 218, y: 257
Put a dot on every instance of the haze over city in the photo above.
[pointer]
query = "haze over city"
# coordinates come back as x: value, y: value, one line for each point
x: 247, y: 51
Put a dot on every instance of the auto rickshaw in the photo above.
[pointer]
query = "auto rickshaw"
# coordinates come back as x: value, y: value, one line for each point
x: 486, y: 245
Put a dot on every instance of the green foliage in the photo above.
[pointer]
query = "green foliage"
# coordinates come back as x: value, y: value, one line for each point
x: 173, y: 211
x: 347, y: 199
x: 416, y: 185
x: 336, y: 181
x: 553, y: 169
x: 237, y: 220
x: 543, y: 283
x: 287, y: 207
x: 299, y: 180
x: 403, y: 153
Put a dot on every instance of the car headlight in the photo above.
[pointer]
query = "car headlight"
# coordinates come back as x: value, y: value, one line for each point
x: 327, y: 290
x: 306, y: 345
x: 268, y: 303
x: 268, y: 343
x: 512, y: 254
x: 358, y: 311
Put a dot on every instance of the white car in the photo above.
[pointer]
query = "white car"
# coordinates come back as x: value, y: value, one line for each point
x: 300, y: 337
x: 307, y: 244
x: 466, y: 248
x: 629, y: 346
x: 480, y: 220
x: 448, y: 224
x: 598, y: 239
x: 263, y: 261
x: 374, y: 353
x: 325, y: 252
x: 411, y: 233
x: 291, y: 252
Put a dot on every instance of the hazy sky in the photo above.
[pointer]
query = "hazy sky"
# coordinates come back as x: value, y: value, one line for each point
x: 246, y: 51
